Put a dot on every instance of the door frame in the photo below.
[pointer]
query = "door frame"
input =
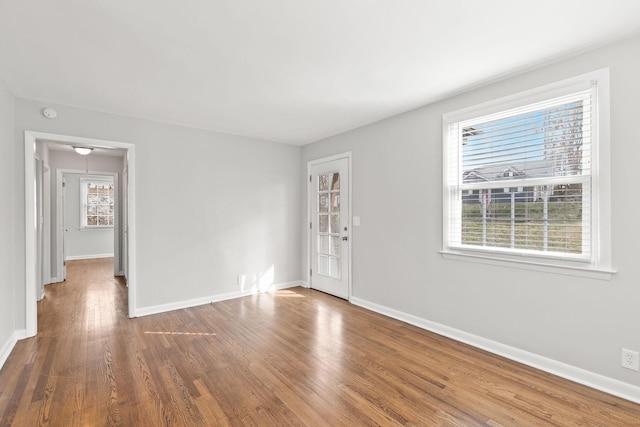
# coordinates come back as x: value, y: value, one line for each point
x: 30, y: 139
x: 40, y: 232
x: 310, y: 213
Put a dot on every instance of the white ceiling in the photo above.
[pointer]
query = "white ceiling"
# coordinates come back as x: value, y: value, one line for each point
x: 292, y: 71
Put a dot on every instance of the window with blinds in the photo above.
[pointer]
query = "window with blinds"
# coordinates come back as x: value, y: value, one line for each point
x: 519, y: 180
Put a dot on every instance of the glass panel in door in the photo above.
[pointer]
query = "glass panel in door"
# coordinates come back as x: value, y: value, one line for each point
x: 328, y: 231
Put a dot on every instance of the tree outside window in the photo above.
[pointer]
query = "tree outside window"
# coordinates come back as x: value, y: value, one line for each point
x: 98, y: 202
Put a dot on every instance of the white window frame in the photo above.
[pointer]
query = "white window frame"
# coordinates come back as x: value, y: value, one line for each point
x: 597, y: 263
x: 83, y: 201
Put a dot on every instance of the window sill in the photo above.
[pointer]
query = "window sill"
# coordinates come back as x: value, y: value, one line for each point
x: 109, y: 227
x: 589, y: 272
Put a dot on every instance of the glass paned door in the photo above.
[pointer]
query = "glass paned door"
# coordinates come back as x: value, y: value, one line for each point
x: 328, y: 232
x: 330, y: 227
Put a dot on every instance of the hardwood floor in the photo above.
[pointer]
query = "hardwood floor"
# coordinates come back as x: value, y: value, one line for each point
x: 293, y: 357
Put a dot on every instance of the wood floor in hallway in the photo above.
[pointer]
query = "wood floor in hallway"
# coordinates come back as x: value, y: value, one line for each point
x: 292, y: 357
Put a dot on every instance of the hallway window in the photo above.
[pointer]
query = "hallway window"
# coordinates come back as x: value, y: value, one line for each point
x: 97, y: 201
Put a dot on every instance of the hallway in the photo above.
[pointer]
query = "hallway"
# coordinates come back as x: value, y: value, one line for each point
x: 64, y: 370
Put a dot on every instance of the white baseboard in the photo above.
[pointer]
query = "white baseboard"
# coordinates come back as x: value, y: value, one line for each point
x: 304, y: 284
x: 163, y: 308
x: 591, y: 379
x: 10, y: 344
x: 77, y: 257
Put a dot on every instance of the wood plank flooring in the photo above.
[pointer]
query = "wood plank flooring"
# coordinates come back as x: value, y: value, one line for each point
x: 294, y: 357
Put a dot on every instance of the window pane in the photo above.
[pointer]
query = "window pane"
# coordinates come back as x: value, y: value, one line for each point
x: 336, y: 244
x: 329, y: 181
x: 323, y: 265
x: 323, y: 182
x: 335, y: 202
x: 104, y: 210
x: 547, y: 218
x: 335, y: 180
x: 335, y: 268
x: 323, y: 223
x: 545, y: 142
x: 323, y: 245
x: 335, y: 223
x: 323, y: 202
x: 520, y: 179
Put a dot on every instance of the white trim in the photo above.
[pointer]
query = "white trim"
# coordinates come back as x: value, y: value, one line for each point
x: 46, y: 276
x: 30, y: 138
x: 310, y: 194
x: 526, y: 97
x: 96, y: 228
x: 8, y: 346
x: 582, y: 376
x: 78, y: 257
x: 527, y: 264
x: 163, y: 308
x: 304, y: 284
x: 31, y: 299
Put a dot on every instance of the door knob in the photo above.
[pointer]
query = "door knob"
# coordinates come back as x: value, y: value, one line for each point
x: 345, y: 238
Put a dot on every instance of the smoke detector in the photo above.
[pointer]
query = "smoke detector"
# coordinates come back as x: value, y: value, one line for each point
x: 50, y: 113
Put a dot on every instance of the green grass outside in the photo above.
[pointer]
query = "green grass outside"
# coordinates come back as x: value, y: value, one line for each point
x: 564, y: 233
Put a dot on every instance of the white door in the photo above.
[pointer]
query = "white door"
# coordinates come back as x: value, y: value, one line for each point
x: 329, y: 225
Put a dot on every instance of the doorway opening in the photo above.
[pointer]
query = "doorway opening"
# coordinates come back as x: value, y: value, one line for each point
x: 45, y: 256
x: 88, y: 223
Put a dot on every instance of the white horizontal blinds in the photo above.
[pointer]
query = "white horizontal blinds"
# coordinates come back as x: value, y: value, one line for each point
x: 523, y: 178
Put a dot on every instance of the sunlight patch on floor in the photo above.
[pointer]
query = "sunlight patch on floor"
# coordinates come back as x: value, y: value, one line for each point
x: 289, y: 294
x: 179, y: 333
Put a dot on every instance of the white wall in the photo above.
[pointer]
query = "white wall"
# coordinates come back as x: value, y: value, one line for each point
x: 577, y: 321
x: 7, y: 230
x: 210, y: 206
x: 83, y: 243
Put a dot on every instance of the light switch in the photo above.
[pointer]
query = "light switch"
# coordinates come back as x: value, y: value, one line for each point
x: 356, y: 221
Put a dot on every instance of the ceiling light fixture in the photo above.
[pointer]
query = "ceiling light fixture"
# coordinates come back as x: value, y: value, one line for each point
x: 83, y: 151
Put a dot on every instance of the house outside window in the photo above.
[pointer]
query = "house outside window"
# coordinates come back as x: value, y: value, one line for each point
x: 523, y: 180
x: 97, y: 202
